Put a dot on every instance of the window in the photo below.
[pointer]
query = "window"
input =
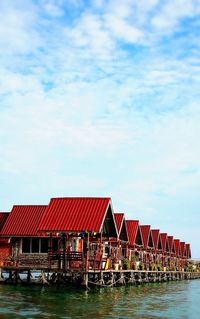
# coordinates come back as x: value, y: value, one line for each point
x: 26, y: 244
x: 35, y: 245
x: 44, y: 245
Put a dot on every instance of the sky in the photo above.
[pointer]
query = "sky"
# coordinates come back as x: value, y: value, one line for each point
x: 102, y: 98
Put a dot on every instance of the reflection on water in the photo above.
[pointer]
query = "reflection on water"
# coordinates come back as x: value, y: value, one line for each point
x: 164, y: 300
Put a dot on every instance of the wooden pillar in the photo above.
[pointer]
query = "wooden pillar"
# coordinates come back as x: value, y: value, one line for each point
x: 118, y: 250
x: 28, y: 276
x: 68, y: 263
x: 85, y: 280
x: 64, y: 251
x: 87, y: 252
x: 127, y: 256
x: 50, y: 250
x: 155, y: 254
x: 101, y: 250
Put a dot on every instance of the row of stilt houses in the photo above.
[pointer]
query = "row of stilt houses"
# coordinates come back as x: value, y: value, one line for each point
x: 85, y: 234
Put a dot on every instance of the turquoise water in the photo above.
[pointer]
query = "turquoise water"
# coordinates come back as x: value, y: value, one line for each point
x: 158, y: 300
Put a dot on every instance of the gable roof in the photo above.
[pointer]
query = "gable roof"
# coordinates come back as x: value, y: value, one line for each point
x: 3, y: 218
x: 121, y: 226
x: 23, y: 220
x: 177, y: 247
x: 133, y: 231
x: 159, y: 243
x: 171, y: 244
x: 188, y: 251
x: 145, y: 232
x: 76, y: 214
x: 155, y: 237
x: 163, y: 238
x: 183, y: 249
x: 119, y: 217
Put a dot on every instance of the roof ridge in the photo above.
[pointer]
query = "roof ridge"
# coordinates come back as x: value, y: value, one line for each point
x: 29, y: 205
x: 81, y: 197
x: 145, y: 225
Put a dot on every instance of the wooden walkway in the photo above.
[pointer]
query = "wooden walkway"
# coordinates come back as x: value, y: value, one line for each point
x: 93, y: 278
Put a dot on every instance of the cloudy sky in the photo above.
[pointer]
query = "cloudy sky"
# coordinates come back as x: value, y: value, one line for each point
x: 102, y: 98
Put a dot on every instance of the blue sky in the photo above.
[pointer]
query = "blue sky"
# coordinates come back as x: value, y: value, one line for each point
x: 101, y: 98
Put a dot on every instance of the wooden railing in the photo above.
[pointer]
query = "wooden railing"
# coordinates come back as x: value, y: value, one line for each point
x: 68, y: 256
x: 66, y: 259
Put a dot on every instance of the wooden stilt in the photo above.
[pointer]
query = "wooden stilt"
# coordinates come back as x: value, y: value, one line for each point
x: 29, y: 276
x: 43, y: 279
x: 85, y: 280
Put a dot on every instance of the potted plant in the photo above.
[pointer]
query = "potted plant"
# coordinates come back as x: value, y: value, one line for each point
x: 134, y: 267
x: 159, y: 267
x: 116, y: 263
x: 126, y: 264
x: 141, y: 266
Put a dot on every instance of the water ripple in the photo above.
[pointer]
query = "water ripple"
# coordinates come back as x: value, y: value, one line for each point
x: 171, y: 300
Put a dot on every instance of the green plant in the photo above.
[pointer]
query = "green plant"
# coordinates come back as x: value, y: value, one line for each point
x: 141, y: 266
x: 134, y: 267
x: 137, y: 255
x: 153, y: 267
x: 172, y: 266
x: 126, y: 264
x: 159, y: 267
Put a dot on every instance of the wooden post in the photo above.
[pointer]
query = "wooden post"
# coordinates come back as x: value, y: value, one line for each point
x: 64, y: 251
x: 87, y: 253
x: 85, y: 280
x: 28, y: 276
x: 50, y: 250
x: 68, y: 263
x: 101, y: 251
x: 118, y: 250
x: 156, y: 258
x: 127, y: 256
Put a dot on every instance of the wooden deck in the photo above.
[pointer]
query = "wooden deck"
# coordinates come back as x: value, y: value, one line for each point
x: 93, y: 278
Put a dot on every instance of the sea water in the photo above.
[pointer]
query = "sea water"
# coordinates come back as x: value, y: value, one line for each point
x: 156, y: 300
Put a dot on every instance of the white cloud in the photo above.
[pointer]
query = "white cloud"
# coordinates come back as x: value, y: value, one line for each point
x: 171, y: 13
x: 17, y: 32
x: 122, y: 29
x: 53, y: 8
x: 89, y: 32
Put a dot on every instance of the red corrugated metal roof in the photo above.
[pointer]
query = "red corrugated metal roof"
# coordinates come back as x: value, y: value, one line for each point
x: 188, y: 250
x: 183, y: 250
x: 163, y: 237
x: 132, y: 228
x: 119, y: 218
x: 170, y: 243
x: 3, y: 217
x: 155, y: 236
x: 145, y: 232
x: 177, y: 247
x: 121, y: 226
x: 75, y: 214
x: 23, y: 220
